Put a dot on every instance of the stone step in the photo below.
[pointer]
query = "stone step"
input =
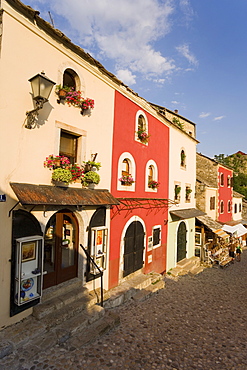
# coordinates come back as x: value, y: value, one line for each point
x: 197, y: 270
x: 122, y: 293
x: 65, y: 313
x: 188, y: 262
x: 100, y: 327
x: 144, y: 294
x: 59, y: 290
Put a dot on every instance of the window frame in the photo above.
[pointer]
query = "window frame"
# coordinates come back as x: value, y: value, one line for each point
x: 222, y: 179
x: 138, y: 114
x: 183, y: 160
x: 132, y: 168
x: 212, y: 203
x: 222, y: 206
x: 155, y: 175
x: 156, y: 227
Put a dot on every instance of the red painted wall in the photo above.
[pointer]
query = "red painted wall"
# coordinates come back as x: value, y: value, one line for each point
x: 156, y: 150
x: 224, y: 194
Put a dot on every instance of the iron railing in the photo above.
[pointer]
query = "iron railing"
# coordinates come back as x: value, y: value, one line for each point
x: 100, y: 271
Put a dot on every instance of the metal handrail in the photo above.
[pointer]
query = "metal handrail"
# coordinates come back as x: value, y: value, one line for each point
x: 100, y: 271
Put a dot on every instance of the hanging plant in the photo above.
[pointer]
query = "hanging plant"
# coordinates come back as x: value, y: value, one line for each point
x: 90, y: 177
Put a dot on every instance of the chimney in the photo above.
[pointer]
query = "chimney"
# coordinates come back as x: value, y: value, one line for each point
x: 176, y: 110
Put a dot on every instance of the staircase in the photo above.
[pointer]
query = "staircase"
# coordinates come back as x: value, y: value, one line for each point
x: 71, y: 316
x: 187, y: 265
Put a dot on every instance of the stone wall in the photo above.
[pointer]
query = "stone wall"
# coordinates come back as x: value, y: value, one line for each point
x: 206, y: 169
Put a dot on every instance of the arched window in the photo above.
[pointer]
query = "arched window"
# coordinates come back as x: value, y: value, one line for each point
x: 70, y: 78
x: 151, y: 176
x: 126, y: 172
x: 235, y: 208
x: 141, y: 128
x: 182, y: 159
x: 150, y: 173
x: 229, y: 206
x: 222, y: 206
x: 221, y: 179
x: 126, y: 167
x: 141, y: 123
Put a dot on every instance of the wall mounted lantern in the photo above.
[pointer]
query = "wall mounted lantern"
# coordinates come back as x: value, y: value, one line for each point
x: 41, y: 88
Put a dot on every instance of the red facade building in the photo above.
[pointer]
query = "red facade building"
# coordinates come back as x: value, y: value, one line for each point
x: 140, y: 160
x: 224, y: 194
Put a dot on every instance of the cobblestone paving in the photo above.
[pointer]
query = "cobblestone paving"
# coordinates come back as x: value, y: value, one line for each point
x: 197, y: 322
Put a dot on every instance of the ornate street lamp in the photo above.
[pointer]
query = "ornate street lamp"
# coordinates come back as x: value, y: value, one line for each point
x: 41, y: 88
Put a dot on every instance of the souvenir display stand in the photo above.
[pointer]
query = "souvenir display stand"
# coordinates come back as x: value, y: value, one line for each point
x: 29, y: 269
x: 98, y: 248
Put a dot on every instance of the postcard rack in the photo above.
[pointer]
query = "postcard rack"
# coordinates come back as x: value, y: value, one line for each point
x: 29, y: 269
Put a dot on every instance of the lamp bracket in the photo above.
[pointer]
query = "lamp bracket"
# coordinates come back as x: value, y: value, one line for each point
x: 32, y: 115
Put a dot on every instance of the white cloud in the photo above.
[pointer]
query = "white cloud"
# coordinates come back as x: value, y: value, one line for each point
x: 175, y: 102
x: 121, y: 30
x: 204, y: 115
x: 185, y: 51
x: 219, y: 118
x: 187, y: 10
x: 126, y: 76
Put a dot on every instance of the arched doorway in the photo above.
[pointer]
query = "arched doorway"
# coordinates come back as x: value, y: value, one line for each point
x: 133, y: 248
x: 181, y: 241
x: 60, y: 248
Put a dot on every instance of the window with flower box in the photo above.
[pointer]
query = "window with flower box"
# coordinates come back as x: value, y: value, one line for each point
x: 141, y: 128
x: 151, y: 178
x: 188, y: 192
x: 126, y: 172
x: 177, y: 192
x: 69, y: 146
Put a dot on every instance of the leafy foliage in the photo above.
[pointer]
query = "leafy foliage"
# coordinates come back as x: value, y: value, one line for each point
x: 238, y: 163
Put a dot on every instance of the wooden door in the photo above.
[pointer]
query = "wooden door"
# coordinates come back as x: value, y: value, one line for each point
x: 133, y: 248
x: 181, y: 242
x: 60, y: 249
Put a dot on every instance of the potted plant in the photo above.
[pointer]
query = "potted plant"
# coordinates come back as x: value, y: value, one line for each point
x: 187, y: 193
x: 177, y: 192
x: 153, y: 184
x: 61, y: 176
x: 62, y: 91
x: 143, y: 136
x: 90, y: 178
x: 86, y: 105
x: 76, y: 171
x: 126, y: 180
x: 91, y: 164
x: 56, y: 161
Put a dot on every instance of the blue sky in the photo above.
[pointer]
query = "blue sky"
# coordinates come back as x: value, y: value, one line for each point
x: 189, y: 55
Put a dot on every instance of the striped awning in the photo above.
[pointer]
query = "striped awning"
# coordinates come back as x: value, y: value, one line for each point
x: 221, y: 233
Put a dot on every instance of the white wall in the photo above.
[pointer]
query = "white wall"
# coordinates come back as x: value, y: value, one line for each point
x: 185, y: 176
x: 238, y: 201
x: 211, y: 192
x: 26, y: 51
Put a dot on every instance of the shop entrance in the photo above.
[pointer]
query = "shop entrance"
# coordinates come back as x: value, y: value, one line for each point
x: 60, y: 249
x: 181, y: 242
x: 133, y: 248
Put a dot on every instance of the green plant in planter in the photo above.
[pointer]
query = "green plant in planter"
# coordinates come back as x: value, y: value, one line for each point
x: 89, y: 164
x: 61, y: 174
x: 91, y: 177
x: 177, y: 190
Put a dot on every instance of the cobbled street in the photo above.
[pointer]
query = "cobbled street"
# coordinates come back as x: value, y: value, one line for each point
x: 196, y: 322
